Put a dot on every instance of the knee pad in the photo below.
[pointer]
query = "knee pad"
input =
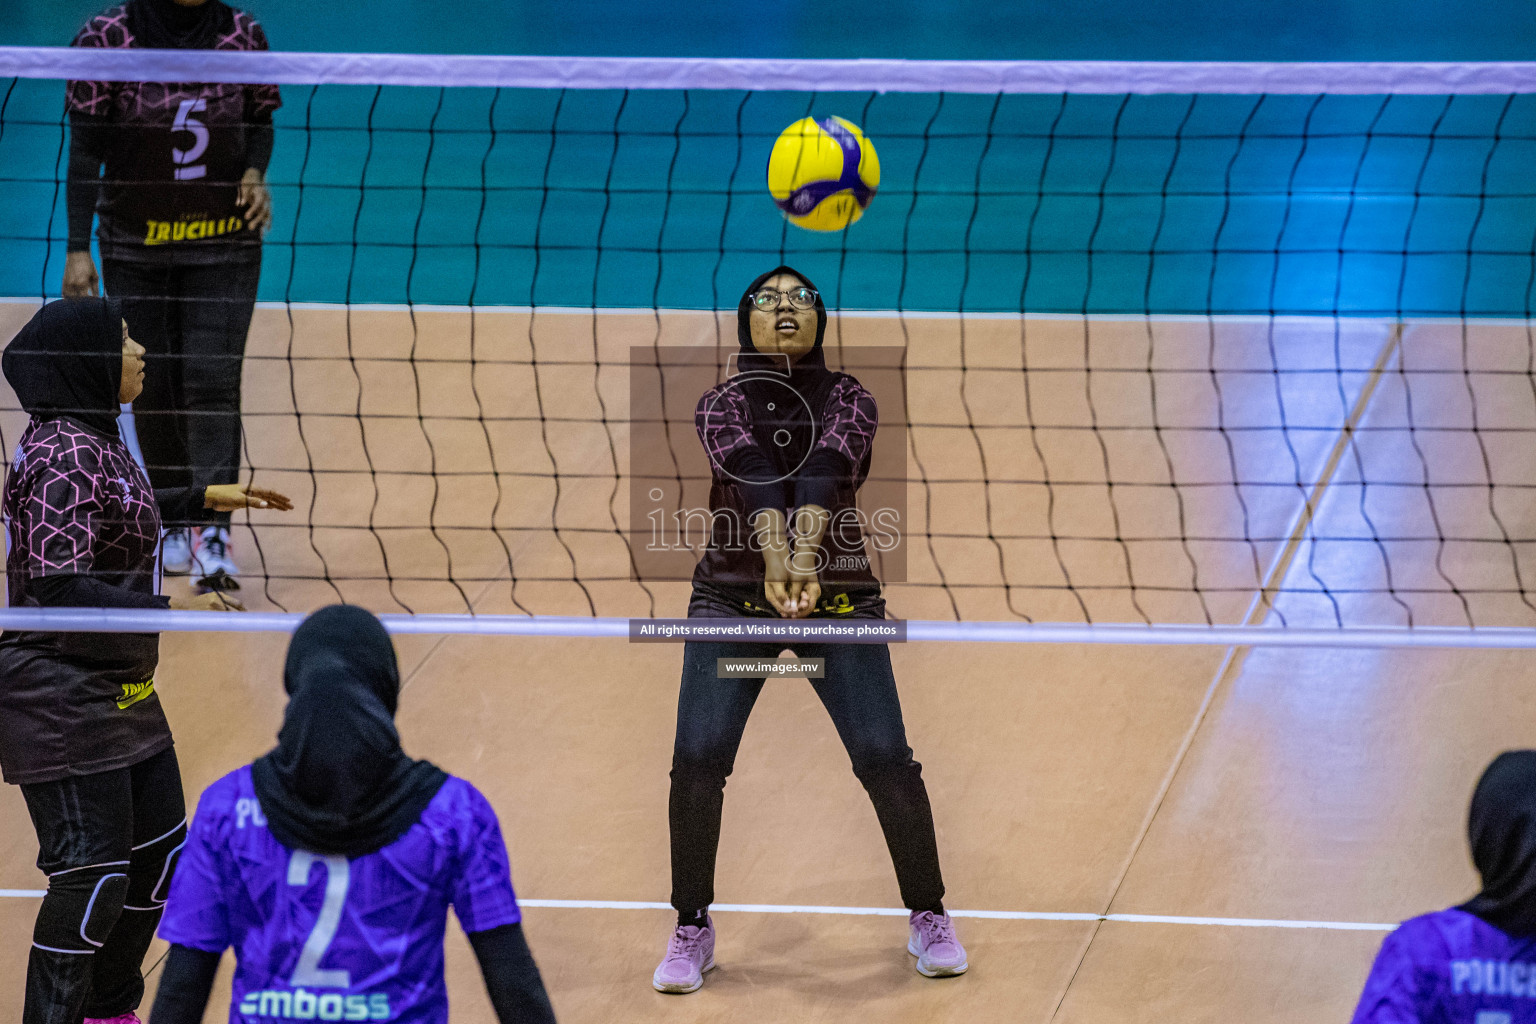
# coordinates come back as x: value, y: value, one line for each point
x: 81, y: 907
x: 150, y: 868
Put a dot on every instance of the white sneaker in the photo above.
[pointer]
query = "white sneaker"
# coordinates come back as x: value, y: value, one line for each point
x: 176, y: 552
x: 212, y: 564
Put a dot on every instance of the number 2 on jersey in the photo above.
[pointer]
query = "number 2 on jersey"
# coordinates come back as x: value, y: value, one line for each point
x: 337, y: 878
x: 186, y: 168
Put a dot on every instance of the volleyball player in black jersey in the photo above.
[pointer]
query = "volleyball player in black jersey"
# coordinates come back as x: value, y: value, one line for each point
x: 81, y: 727
x: 182, y: 210
x: 791, y: 435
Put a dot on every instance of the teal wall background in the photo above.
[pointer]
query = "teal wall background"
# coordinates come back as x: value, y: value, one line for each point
x: 1168, y: 204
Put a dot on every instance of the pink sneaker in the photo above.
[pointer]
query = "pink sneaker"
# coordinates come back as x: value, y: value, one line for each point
x: 939, y: 954
x: 124, y: 1018
x: 690, y: 952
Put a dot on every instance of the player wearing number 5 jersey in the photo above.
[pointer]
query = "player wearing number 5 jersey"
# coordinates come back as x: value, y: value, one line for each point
x: 329, y: 864
x: 182, y: 207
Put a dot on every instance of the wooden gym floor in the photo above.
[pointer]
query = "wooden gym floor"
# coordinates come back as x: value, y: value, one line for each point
x: 1261, y: 788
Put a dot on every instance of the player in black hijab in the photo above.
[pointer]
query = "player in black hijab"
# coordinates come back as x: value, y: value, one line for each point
x: 1501, y: 827
x: 1475, y: 962
x: 82, y: 731
x: 338, y: 781
x: 168, y: 25
x: 811, y: 431
x: 413, y: 840
x: 67, y: 361
x: 789, y: 435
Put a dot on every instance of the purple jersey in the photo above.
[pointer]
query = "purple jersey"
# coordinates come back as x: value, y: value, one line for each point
x: 1451, y: 967
x: 326, y: 938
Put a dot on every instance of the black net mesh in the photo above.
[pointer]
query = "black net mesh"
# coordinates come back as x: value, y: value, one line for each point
x: 1178, y: 358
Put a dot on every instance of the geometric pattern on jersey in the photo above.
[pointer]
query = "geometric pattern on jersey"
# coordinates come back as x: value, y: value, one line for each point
x: 157, y: 102
x: 76, y: 502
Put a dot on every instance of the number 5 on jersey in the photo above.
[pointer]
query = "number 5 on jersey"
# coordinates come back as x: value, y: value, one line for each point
x: 185, y: 159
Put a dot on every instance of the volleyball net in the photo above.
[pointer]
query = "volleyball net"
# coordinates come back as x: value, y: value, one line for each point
x: 1238, y: 352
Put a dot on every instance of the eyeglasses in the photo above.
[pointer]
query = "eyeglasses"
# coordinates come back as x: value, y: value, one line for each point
x: 800, y: 298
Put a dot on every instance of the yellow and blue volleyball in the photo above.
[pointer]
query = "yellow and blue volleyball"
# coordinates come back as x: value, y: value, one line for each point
x: 823, y: 174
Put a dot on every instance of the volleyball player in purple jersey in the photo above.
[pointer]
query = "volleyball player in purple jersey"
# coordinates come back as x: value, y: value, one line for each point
x: 1475, y: 963
x: 330, y: 863
x: 789, y: 434
x: 182, y: 209
x: 81, y: 727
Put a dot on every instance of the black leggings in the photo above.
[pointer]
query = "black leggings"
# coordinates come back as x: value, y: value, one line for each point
x: 859, y: 692
x: 192, y: 320
x: 108, y: 843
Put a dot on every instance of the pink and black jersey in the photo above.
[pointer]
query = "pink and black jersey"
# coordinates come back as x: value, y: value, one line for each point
x: 330, y: 938
x: 76, y: 504
x: 728, y: 580
x: 174, y: 152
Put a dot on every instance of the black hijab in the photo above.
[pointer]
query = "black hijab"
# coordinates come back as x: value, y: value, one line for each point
x: 68, y: 362
x: 1502, y: 830
x: 338, y: 782
x: 167, y: 25
x: 764, y: 384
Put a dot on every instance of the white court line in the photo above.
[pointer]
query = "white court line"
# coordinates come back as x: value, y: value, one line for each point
x: 990, y: 915
x: 1252, y: 922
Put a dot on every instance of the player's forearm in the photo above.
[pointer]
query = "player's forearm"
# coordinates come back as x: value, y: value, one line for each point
x: 511, y: 976
x: 768, y: 532
x: 756, y: 478
x: 259, y: 139
x: 76, y: 590
x: 184, y: 986
x: 84, y: 177
x: 178, y: 504
x: 820, y: 478
x: 810, y: 525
